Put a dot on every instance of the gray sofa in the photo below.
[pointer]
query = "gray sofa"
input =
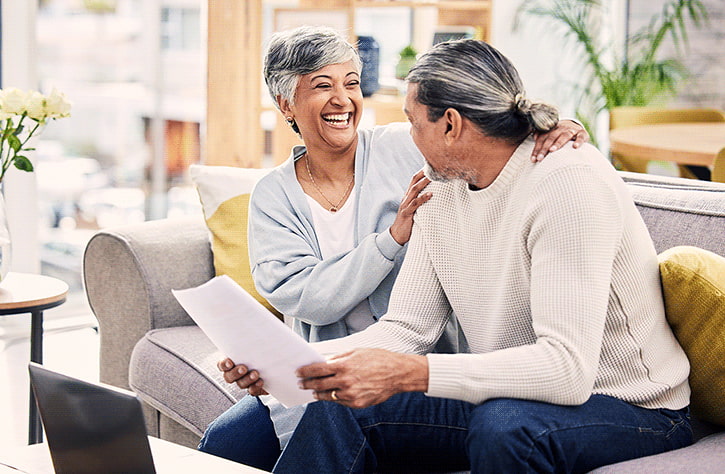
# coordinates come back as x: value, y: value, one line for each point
x: 149, y: 344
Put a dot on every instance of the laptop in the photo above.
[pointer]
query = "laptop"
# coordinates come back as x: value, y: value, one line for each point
x: 90, y: 428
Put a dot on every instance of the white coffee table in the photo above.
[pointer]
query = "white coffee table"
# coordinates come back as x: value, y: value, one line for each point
x: 168, y: 458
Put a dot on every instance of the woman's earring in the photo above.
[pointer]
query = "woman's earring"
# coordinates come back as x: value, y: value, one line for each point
x: 291, y: 122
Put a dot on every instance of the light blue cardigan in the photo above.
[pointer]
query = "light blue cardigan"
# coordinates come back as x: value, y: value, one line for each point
x: 287, y: 265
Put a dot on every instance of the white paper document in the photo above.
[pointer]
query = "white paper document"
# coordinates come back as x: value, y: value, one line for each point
x: 246, y: 332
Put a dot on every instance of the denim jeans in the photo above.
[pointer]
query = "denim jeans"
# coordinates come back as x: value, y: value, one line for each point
x: 245, y: 434
x: 411, y: 432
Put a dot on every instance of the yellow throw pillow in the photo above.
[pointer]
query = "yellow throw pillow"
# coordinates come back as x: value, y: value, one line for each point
x: 693, y: 281
x: 224, y: 193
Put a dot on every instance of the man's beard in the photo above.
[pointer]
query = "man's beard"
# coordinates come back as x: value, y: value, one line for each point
x: 447, y: 175
x: 433, y: 174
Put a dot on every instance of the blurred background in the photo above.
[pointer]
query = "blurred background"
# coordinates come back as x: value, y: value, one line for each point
x: 127, y: 65
x: 136, y: 72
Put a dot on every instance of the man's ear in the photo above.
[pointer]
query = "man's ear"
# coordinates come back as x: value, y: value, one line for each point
x: 453, y: 123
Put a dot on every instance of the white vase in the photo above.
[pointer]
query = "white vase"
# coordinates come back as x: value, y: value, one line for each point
x: 5, y: 244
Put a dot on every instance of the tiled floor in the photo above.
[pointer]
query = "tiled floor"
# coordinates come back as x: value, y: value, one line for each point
x: 70, y: 346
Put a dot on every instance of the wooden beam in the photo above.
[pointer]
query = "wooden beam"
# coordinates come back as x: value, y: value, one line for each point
x: 233, y: 133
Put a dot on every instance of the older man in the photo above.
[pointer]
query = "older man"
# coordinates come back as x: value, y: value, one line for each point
x: 554, y: 280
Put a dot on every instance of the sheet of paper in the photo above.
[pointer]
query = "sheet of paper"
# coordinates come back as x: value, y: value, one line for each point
x: 246, y: 332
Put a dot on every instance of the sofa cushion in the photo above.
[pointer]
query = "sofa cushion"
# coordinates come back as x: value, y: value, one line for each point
x: 705, y: 456
x: 680, y: 211
x: 224, y: 193
x: 693, y: 282
x: 174, y: 370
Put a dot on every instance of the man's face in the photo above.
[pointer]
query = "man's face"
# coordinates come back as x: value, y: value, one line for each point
x: 429, y: 137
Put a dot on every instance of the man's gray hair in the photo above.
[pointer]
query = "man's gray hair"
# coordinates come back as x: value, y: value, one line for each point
x: 303, y: 50
x: 482, y: 85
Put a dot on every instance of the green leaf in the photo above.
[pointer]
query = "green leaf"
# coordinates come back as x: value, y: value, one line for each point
x: 9, y: 130
x: 23, y: 163
x: 18, y: 130
x: 14, y: 143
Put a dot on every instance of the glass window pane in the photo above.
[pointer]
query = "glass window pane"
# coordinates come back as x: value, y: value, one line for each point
x: 124, y: 64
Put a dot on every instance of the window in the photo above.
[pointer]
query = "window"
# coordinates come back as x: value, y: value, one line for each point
x: 180, y: 28
x: 122, y: 69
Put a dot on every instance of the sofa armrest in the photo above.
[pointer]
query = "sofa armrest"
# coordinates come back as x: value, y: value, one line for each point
x: 129, y: 273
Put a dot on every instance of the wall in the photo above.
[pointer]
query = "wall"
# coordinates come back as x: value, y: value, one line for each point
x: 20, y: 188
x: 545, y: 66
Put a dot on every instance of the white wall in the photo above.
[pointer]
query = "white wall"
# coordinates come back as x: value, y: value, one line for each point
x: 20, y: 188
x: 537, y: 56
x: 546, y: 66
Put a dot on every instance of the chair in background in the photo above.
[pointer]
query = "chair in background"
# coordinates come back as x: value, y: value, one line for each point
x: 629, y: 116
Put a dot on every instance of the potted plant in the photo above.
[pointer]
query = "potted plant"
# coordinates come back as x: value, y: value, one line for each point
x: 408, y: 56
x: 634, y: 73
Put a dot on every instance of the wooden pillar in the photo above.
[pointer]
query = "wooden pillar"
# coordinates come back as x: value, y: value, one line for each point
x: 234, y: 71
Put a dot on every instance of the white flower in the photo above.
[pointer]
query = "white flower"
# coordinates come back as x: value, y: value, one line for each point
x: 15, y: 106
x: 35, y: 106
x: 57, y: 105
x: 12, y: 101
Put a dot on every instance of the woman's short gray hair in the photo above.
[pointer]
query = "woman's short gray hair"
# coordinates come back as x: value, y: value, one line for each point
x: 299, y: 51
x: 481, y: 83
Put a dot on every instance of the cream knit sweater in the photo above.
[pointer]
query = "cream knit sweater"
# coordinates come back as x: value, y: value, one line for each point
x: 554, y: 279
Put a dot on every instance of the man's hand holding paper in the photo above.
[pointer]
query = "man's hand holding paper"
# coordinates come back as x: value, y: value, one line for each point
x: 247, y: 333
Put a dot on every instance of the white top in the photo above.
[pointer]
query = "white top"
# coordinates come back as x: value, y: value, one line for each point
x: 335, y: 235
x: 555, y: 282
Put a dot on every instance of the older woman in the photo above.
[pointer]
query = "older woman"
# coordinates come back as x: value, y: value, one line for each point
x: 327, y: 228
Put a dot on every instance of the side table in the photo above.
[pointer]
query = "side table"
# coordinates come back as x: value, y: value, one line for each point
x: 30, y: 293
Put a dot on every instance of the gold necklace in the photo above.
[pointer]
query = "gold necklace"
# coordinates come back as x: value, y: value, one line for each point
x: 333, y: 207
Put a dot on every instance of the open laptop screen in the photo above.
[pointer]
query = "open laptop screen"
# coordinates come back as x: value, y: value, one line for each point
x: 90, y: 427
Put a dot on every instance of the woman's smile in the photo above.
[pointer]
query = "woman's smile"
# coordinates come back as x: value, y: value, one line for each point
x: 327, y: 107
x: 338, y: 120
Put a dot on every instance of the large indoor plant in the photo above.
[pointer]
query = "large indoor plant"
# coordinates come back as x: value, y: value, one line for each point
x: 615, y: 73
x: 22, y: 115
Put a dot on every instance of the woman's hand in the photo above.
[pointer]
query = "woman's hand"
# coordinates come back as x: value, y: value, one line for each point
x: 413, y: 199
x: 549, y: 142
x: 243, y: 377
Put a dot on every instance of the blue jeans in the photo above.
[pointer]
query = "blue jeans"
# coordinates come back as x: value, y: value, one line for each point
x: 412, y: 432
x: 244, y: 433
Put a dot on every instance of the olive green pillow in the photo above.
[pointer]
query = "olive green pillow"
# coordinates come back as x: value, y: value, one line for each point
x: 693, y: 281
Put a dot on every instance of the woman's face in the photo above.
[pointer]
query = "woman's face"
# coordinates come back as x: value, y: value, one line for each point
x: 328, y: 106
